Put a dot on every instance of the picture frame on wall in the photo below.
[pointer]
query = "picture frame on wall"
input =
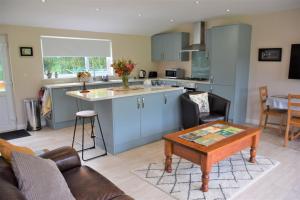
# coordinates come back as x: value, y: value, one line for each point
x: 26, y: 51
x: 270, y: 54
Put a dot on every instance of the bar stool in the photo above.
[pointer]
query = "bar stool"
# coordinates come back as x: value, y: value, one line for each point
x: 91, y: 114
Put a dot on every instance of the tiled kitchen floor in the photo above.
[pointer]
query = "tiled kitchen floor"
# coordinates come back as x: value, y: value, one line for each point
x: 281, y: 183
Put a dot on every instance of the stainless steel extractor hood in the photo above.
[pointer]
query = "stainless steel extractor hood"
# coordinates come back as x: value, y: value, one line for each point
x: 199, y: 38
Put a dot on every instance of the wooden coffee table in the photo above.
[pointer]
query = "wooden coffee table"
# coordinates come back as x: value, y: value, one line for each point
x: 206, y: 156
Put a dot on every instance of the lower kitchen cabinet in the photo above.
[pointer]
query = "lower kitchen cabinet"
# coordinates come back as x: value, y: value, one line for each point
x: 203, y: 87
x: 151, y: 114
x: 138, y: 120
x: 171, y: 111
x: 126, y: 128
x: 64, y: 107
x: 227, y: 92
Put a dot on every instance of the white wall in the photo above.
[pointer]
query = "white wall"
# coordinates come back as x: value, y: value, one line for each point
x: 27, y: 72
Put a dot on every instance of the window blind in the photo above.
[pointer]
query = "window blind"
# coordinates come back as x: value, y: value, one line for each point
x: 61, y: 46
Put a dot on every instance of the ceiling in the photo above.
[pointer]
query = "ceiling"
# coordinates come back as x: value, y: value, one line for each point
x: 142, y: 17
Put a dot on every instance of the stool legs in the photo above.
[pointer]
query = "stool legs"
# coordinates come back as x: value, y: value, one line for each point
x: 92, y: 121
x: 92, y: 132
x: 102, y: 135
x: 74, y: 132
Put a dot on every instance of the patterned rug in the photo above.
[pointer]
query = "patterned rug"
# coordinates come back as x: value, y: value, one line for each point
x: 227, y: 179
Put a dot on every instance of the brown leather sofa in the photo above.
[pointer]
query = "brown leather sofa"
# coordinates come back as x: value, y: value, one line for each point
x: 84, y: 182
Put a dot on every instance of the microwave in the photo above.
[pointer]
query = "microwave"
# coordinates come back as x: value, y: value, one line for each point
x: 174, y: 73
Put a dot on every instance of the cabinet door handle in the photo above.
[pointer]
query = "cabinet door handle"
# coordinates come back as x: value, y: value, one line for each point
x: 212, y: 79
x: 138, y: 103
x: 166, y: 99
x: 211, y: 89
x: 143, y: 102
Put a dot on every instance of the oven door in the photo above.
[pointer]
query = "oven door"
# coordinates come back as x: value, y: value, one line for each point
x: 170, y: 74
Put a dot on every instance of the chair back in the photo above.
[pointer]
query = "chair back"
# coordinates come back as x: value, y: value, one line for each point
x: 293, y: 106
x: 263, y: 95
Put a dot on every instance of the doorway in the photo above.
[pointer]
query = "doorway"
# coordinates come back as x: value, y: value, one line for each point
x: 7, y: 112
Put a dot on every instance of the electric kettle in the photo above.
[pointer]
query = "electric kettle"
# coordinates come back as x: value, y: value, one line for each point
x: 142, y: 74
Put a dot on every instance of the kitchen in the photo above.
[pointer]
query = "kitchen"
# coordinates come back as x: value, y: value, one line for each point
x: 213, y: 69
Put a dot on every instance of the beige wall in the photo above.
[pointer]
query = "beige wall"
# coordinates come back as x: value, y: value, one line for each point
x: 279, y: 29
x: 27, y: 72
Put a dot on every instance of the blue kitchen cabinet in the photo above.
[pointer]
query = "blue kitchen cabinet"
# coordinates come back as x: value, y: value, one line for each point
x: 169, y: 82
x: 171, y: 111
x: 151, y: 114
x: 229, y: 58
x: 63, y: 107
x: 223, y: 54
x: 137, y: 83
x: 203, y: 87
x: 157, y: 47
x: 168, y: 46
x: 103, y: 86
x: 126, y: 128
x: 227, y: 92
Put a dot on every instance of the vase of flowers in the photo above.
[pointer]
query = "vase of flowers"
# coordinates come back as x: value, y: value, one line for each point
x: 123, y: 68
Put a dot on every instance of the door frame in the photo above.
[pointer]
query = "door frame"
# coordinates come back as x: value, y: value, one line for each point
x: 8, y: 78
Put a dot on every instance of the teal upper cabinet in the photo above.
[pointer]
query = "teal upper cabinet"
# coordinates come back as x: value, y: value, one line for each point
x: 168, y: 46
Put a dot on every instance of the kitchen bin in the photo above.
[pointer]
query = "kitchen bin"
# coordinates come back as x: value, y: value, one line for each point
x: 33, y: 114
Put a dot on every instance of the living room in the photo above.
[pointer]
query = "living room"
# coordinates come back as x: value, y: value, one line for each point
x: 136, y: 121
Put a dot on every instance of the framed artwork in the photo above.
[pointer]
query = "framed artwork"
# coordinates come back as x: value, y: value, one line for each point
x: 270, y: 54
x: 26, y: 51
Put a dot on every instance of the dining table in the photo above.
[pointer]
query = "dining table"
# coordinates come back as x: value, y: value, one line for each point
x: 278, y: 102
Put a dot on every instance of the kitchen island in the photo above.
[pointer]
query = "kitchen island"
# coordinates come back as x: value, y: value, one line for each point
x: 134, y: 117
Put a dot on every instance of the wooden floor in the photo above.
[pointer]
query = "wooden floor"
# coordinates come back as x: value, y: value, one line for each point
x: 281, y: 183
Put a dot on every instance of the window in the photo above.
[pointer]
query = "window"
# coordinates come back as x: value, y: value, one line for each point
x: 64, y: 57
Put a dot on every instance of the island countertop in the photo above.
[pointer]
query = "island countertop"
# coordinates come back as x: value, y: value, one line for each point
x: 111, y: 93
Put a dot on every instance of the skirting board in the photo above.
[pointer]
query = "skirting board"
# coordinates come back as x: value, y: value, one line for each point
x: 252, y: 121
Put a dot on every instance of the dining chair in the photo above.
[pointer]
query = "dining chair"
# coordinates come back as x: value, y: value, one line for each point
x: 293, y: 118
x: 266, y: 111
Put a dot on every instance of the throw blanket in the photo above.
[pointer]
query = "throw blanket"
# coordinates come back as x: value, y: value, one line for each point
x: 46, y: 103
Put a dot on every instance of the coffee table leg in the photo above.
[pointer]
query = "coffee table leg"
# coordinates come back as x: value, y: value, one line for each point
x: 168, y: 154
x: 206, y: 169
x: 255, y: 140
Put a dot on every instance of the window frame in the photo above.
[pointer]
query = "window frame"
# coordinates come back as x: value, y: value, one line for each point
x: 109, y: 60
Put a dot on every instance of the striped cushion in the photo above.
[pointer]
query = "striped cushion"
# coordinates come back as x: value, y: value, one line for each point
x: 39, y: 178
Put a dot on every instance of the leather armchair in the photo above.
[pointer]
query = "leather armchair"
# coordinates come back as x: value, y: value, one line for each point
x: 84, y: 182
x: 191, y: 116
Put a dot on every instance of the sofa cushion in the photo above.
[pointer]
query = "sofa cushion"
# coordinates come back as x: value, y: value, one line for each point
x: 10, y: 191
x: 202, y: 101
x: 85, y: 183
x: 39, y: 178
x: 209, y: 117
x: 6, y: 149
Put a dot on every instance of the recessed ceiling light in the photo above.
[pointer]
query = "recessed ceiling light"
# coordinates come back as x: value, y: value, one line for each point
x: 140, y: 14
x: 228, y: 10
x: 43, y: 1
x: 197, y: 2
x: 172, y: 20
x: 97, y: 9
